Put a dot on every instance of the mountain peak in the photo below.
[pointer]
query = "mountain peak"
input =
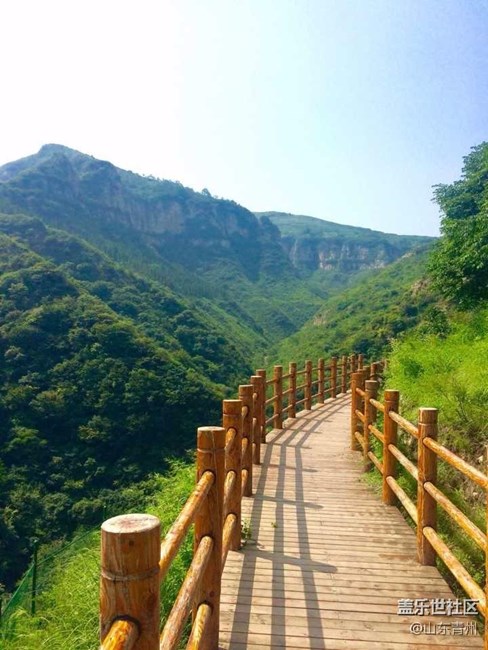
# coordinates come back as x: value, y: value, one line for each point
x: 52, y: 148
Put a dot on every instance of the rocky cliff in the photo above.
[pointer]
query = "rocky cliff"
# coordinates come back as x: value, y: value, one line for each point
x: 318, y: 245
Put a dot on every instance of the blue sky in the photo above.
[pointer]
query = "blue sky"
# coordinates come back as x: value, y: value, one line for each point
x: 348, y: 110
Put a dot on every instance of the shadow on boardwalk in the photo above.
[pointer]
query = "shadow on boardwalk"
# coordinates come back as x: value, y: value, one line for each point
x: 327, y: 562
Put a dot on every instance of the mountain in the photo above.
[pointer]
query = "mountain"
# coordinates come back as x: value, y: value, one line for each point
x: 252, y: 267
x: 198, y: 245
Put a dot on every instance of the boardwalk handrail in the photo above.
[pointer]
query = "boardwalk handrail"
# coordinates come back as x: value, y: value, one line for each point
x: 134, y: 561
x: 364, y: 407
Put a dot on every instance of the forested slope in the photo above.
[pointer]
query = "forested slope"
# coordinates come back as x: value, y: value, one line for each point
x: 88, y: 403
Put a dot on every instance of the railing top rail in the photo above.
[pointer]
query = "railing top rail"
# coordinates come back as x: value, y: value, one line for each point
x: 457, y: 462
x: 176, y: 534
x: 404, y: 424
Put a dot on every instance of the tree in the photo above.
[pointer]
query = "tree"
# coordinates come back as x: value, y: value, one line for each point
x: 459, y: 264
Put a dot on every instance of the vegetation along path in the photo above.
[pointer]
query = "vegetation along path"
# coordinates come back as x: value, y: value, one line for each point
x: 327, y: 563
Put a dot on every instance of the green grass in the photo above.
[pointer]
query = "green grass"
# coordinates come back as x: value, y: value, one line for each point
x: 67, y: 608
x: 448, y: 372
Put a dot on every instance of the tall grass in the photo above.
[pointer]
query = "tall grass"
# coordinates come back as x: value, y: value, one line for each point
x: 448, y: 372
x: 67, y: 608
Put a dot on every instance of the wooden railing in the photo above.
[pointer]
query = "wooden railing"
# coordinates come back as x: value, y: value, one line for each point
x: 134, y: 562
x: 364, y: 411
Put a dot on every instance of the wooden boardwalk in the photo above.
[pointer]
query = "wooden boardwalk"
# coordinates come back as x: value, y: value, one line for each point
x: 327, y: 562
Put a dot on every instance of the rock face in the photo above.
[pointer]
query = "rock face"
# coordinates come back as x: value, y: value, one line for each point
x: 339, y: 254
x: 314, y: 244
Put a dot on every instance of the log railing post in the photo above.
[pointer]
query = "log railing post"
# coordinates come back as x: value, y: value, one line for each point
x: 245, y: 395
x: 427, y: 467
x: 321, y: 381
x: 356, y: 382
x: 209, y: 522
x: 371, y: 390
x: 353, y: 362
x: 292, y: 386
x: 129, y: 580
x: 333, y: 377
x: 486, y: 554
x: 374, y: 370
x: 256, y: 383
x: 391, y: 403
x: 308, y: 386
x: 232, y: 423
x: 262, y: 373
x: 360, y: 361
x: 278, y: 397
x: 344, y: 374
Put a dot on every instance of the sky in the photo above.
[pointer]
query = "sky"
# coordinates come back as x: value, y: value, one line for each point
x: 346, y: 110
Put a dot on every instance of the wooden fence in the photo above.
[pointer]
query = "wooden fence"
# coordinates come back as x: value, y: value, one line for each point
x: 134, y: 561
x: 364, y: 412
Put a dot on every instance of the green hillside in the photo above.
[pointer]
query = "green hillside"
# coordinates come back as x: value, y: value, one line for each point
x: 88, y: 403
x: 207, y: 340
x: 366, y: 316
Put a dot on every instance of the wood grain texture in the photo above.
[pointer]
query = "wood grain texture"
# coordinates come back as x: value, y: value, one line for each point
x: 232, y: 423
x: 327, y: 561
x: 427, y: 472
x: 278, y: 396
x: 129, y: 578
x: 245, y: 395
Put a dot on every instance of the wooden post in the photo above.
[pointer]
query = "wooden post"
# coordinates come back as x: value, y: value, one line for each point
x: 262, y: 373
x: 356, y: 382
x: 321, y: 381
x: 308, y: 386
x: 365, y: 373
x: 333, y: 377
x: 245, y: 395
x: 232, y: 423
x: 278, y: 395
x: 34, y: 577
x: 292, y: 385
x: 371, y: 390
x: 427, y: 466
x: 354, y: 363
x: 256, y: 383
x: 486, y: 558
x: 373, y: 371
x: 360, y: 361
x: 209, y: 521
x: 391, y: 403
x: 344, y: 374
x: 129, y: 578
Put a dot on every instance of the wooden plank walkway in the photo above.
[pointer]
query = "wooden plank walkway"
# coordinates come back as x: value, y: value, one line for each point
x: 327, y: 562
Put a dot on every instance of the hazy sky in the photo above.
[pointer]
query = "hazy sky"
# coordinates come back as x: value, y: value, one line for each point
x: 348, y: 110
